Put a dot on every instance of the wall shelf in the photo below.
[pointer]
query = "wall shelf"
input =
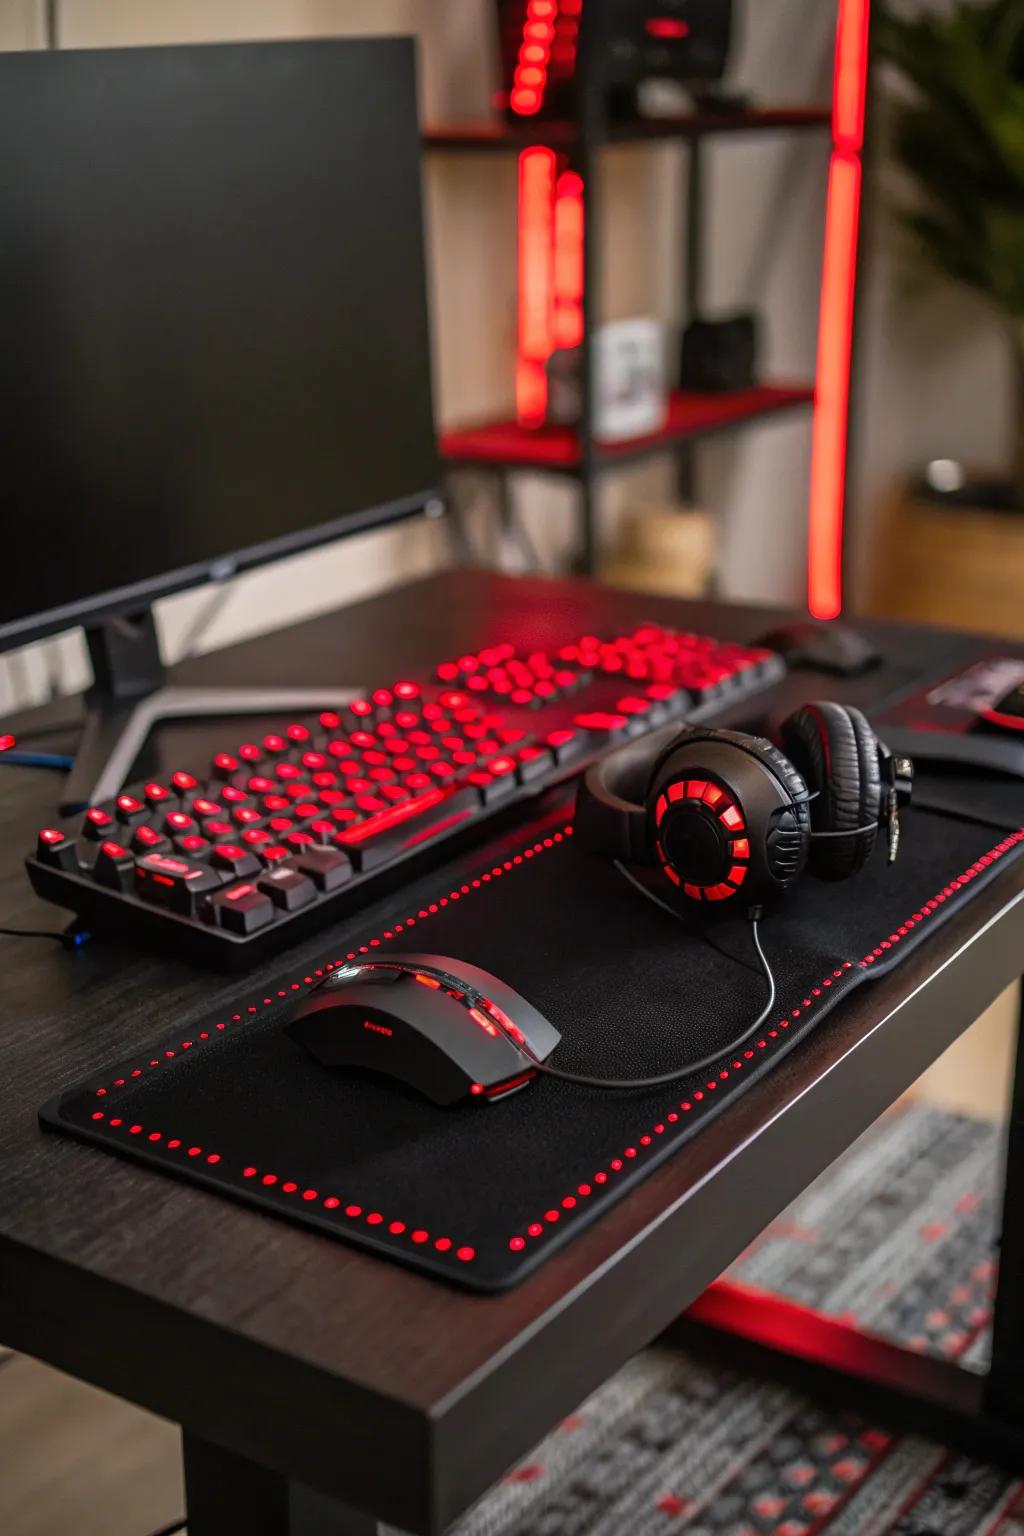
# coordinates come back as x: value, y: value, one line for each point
x: 491, y: 134
x: 507, y: 445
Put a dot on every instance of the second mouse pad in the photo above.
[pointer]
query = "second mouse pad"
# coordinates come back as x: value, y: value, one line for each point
x: 481, y: 1193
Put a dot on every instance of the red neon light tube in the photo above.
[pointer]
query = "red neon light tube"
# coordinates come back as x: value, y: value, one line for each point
x: 835, y: 326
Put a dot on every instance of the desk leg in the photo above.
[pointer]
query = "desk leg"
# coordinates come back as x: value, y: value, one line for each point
x: 1004, y: 1387
x: 225, y: 1492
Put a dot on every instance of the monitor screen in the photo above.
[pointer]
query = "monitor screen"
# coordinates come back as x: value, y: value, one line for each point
x: 214, y: 345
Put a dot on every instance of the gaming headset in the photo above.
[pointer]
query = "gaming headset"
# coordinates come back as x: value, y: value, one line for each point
x: 724, y: 814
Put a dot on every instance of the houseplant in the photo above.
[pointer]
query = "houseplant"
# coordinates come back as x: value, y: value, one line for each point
x: 958, y: 134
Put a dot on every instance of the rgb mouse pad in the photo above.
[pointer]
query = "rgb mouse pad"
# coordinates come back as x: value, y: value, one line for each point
x: 481, y: 1194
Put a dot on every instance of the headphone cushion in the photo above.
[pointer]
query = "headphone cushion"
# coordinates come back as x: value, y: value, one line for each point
x: 835, y: 748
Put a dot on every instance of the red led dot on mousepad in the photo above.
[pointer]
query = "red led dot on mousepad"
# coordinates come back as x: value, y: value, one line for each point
x: 483, y: 1193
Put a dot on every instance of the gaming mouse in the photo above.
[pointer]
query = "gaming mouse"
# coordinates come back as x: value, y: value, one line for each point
x: 824, y: 647
x: 447, y: 1029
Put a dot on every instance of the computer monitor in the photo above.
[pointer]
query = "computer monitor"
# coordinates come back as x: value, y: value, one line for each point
x: 215, y: 346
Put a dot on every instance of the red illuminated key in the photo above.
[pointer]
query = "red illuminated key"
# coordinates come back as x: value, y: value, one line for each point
x: 235, y: 860
x: 299, y: 840
x: 156, y: 794
x: 114, y: 867
x: 489, y: 788
x: 172, y: 882
x: 400, y: 828
x: 602, y: 721
x: 56, y: 849
x: 532, y: 763
x: 243, y: 909
x: 194, y: 846
x: 224, y: 765
x: 183, y: 783
x: 97, y: 823
x: 129, y: 809
x: 146, y: 840
x: 179, y: 823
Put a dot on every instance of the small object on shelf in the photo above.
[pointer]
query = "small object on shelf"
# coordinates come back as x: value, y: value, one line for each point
x: 720, y: 354
x: 668, y: 548
x: 632, y: 393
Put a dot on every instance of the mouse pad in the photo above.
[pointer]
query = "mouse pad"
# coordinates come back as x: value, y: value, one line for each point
x: 481, y: 1194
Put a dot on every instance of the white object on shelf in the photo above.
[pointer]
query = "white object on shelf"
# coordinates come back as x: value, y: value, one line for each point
x: 632, y: 392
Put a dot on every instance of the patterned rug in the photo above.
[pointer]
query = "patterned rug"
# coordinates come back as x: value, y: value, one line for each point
x: 899, y: 1237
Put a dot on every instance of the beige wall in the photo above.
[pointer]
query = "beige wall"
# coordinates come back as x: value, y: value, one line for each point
x: 765, y: 196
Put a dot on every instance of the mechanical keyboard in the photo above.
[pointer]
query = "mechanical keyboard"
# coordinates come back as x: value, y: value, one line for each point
x: 283, y: 834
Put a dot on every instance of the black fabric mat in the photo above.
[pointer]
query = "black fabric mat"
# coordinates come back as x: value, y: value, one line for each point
x: 481, y: 1194
x: 991, y: 800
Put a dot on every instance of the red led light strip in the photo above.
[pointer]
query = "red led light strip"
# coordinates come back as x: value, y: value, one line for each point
x: 536, y: 283
x: 569, y: 1202
x: 550, y: 248
x: 835, y: 325
x: 535, y: 1229
x: 550, y: 274
x: 271, y: 1182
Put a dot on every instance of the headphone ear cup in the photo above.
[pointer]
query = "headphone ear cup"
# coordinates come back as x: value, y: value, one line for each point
x: 767, y: 792
x: 836, y: 750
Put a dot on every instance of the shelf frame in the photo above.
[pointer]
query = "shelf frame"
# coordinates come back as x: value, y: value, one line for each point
x: 580, y: 142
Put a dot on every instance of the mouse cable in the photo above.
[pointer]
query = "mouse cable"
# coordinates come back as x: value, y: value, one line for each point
x: 715, y: 1056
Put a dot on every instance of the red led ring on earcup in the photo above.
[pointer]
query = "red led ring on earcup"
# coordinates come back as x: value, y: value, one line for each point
x: 699, y: 832
x: 728, y: 816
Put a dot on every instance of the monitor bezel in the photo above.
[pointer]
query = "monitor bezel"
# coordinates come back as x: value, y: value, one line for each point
x: 99, y: 607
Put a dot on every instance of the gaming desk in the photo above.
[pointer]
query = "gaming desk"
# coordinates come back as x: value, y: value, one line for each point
x: 314, y: 1382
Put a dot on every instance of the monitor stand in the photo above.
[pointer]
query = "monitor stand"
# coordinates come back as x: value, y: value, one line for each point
x: 128, y: 697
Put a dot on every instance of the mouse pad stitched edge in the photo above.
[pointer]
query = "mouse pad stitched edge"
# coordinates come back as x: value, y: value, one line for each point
x: 491, y: 1260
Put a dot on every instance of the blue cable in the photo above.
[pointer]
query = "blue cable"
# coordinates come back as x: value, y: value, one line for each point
x: 15, y: 759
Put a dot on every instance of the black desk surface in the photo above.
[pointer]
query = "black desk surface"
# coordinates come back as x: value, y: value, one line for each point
x: 386, y: 1389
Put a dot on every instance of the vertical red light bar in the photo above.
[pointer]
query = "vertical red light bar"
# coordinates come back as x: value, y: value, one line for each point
x: 536, y: 282
x: 835, y: 326
x: 568, y: 261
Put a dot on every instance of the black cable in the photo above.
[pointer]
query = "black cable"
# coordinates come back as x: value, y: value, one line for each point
x: 71, y: 938
x: 714, y: 1056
